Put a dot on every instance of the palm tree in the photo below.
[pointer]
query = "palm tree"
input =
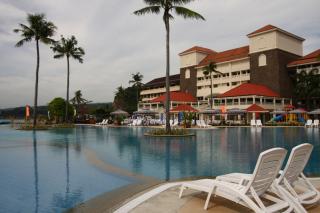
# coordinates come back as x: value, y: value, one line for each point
x: 77, y: 100
x: 40, y: 30
x: 167, y: 6
x: 68, y: 47
x: 208, y: 70
x: 136, y: 81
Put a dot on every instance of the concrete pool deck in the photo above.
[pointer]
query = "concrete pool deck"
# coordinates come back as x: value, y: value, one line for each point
x: 164, y: 198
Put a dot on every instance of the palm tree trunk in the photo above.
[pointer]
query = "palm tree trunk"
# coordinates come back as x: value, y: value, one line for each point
x: 211, y: 100
x: 35, y: 113
x: 67, y: 99
x: 168, y: 129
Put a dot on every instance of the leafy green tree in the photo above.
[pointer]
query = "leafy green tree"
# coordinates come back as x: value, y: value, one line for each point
x: 39, y: 30
x: 57, y: 108
x: 67, y: 47
x: 307, y: 86
x: 168, y: 6
x: 125, y: 99
x: 208, y: 70
x: 136, y: 82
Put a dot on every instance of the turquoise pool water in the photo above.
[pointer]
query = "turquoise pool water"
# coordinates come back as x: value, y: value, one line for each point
x: 51, y: 171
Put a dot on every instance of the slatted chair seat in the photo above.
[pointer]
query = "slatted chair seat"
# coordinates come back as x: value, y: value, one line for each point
x: 249, y: 189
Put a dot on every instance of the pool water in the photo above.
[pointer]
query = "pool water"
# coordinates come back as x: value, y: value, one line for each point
x: 51, y: 171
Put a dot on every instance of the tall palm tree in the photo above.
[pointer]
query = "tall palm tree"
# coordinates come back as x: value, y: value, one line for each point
x: 68, y: 47
x: 39, y: 30
x: 167, y: 6
x: 136, y: 81
x: 208, y: 70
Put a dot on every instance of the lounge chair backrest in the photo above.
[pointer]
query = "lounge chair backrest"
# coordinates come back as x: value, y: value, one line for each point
x: 316, y: 122
x: 259, y: 123
x: 267, y: 169
x: 253, y: 122
x: 297, y: 160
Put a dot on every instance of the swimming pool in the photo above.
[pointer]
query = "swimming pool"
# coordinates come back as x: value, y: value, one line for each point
x: 51, y: 171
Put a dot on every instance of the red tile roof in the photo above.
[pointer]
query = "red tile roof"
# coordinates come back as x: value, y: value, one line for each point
x: 228, y: 55
x: 198, y: 49
x: 270, y: 27
x: 161, y: 82
x: 263, y: 29
x: 177, y: 97
x: 184, y: 108
x: 249, y: 89
x: 311, y: 58
x: 256, y: 108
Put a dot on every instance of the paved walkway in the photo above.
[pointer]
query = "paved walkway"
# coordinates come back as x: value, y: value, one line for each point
x: 192, y: 201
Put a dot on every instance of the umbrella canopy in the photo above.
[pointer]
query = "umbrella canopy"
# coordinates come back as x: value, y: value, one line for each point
x: 297, y: 111
x: 119, y: 112
x: 315, y: 112
x: 184, y: 108
x: 236, y: 111
x: 211, y: 111
x: 289, y: 107
x: 144, y: 112
x: 256, y: 108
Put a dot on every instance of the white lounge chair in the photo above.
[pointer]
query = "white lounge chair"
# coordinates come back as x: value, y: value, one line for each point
x: 287, y: 182
x: 259, y: 123
x: 100, y: 123
x: 139, y: 122
x: 253, y: 123
x: 175, y: 123
x: 293, y: 172
x: 308, y: 123
x: 316, y: 123
x: 203, y: 123
x: 198, y: 123
x: 249, y: 191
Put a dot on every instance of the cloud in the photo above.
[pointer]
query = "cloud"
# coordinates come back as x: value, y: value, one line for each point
x: 118, y: 43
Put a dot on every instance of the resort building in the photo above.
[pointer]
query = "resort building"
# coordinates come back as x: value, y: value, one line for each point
x: 258, y: 73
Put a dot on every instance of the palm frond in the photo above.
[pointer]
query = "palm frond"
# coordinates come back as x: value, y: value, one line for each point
x: 147, y: 10
x: 47, y: 40
x: 181, y: 2
x: 153, y: 2
x: 22, y: 41
x: 58, y: 56
x: 187, y: 13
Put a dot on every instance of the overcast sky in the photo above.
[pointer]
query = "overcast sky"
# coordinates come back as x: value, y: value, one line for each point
x: 118, y: 43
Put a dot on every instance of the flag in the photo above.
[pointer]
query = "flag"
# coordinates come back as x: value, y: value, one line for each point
x: 27, y: 111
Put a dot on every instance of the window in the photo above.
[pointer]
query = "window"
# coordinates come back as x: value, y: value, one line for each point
x: 262, y: 60
x: 187, y: 73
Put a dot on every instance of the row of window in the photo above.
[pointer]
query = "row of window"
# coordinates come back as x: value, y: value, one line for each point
x: 226, y: 75
x: 234, y: 83
x: 243, y: 101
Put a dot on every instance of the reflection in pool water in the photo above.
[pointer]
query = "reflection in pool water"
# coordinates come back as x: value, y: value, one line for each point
x: 51, y: 171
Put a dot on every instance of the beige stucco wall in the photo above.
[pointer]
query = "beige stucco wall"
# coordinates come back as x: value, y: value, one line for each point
x: 226, y: 67
x: 263, y: 42
x: 191, y: 59
x: 275, y: 40
x: 289, y: 44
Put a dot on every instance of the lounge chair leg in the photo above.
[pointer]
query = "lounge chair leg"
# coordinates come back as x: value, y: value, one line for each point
x: 207, y: 201
x: 181, y: 191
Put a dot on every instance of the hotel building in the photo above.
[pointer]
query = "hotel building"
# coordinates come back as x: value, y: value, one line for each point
x: 258, y: 73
